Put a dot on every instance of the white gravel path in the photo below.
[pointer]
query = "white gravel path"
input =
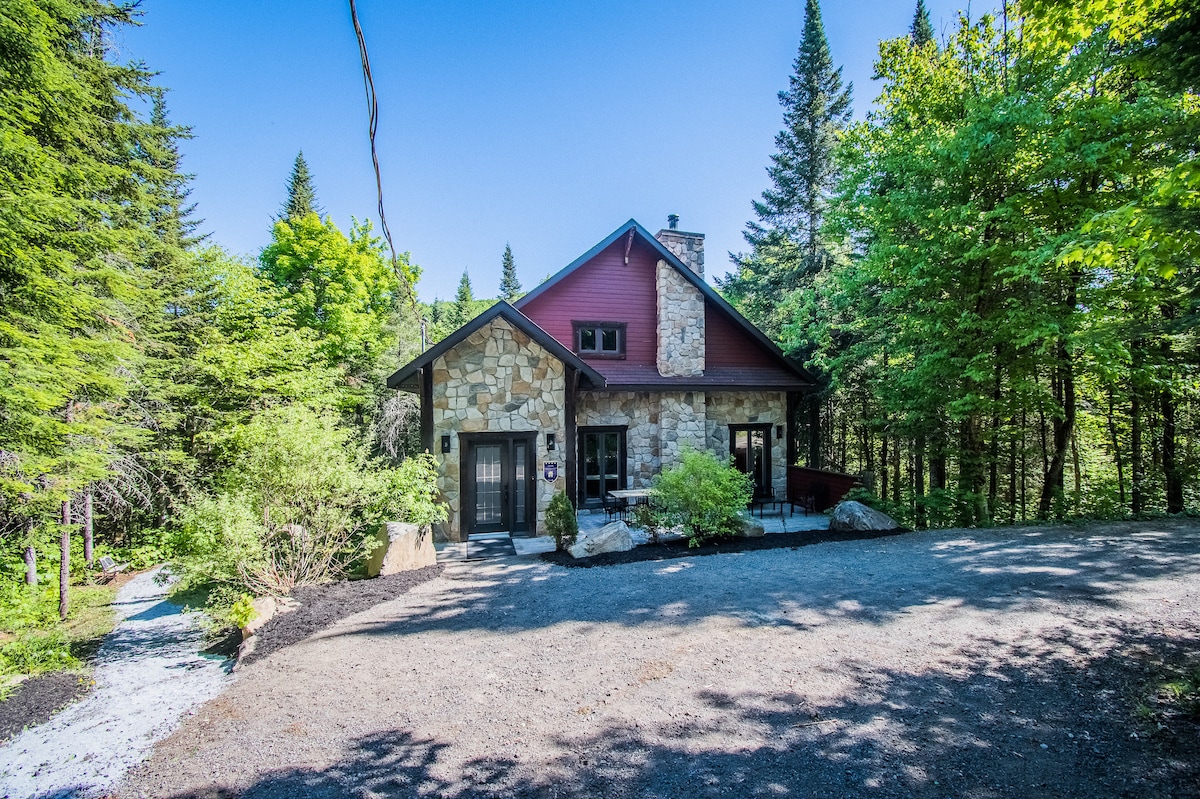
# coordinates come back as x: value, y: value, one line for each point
x: 149, y: 674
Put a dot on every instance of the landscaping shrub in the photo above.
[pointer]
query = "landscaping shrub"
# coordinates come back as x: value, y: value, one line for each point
x: 702, y: 497
x: 295, y: 504
x: 561, y: 522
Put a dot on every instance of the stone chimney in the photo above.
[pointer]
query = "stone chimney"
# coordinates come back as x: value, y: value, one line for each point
x: 687, y: 247
x: 680, y: 305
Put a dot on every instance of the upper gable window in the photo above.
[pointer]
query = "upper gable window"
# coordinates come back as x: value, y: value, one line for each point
x: 600, y: 339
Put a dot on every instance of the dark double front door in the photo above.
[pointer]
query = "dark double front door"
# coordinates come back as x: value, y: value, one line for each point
x: 499, y: 485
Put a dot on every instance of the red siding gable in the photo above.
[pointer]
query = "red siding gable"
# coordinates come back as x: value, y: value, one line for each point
x: 728, y: 344
x: 606, y: 289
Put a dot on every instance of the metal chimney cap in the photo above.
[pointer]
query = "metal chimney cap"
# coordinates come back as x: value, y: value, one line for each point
x: 672, y: 221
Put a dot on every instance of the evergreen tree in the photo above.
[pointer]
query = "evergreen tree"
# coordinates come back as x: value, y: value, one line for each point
x: 786, y: 237
x: 921, y: 31
x: 464, y: 303
x: 301, y: 196
x: 510, y: 287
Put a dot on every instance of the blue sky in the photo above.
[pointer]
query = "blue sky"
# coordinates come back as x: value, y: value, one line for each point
x: 541, y: 125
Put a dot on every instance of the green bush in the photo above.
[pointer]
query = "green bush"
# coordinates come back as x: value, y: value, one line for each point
x: 702, y: 497
x: 37, y: 652
x: 561, y: 522
x: 295, y: 504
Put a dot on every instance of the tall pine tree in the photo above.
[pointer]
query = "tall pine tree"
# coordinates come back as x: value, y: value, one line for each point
x: 301, y: 196
x: 510, y: 287
x: 464, y: 303
x: 921, y: 31
x: 785, y: 238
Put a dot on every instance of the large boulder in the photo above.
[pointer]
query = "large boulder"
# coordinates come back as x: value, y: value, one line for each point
x: 403, y: 547
x: 751, y: 528
x: 855, y: 516
x: 613, y: 537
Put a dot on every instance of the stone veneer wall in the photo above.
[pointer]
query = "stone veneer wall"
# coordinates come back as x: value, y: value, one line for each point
x: 680, y: 324
x: 659, y: 424
x: 750, y: 407
x: 497, y: 380
x: 638, y: 412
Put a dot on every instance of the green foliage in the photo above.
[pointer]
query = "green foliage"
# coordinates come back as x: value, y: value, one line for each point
x: 702, y: 496
x: 340, y: 288
x: 561, y: 522
x: 293, y: 505
x: 242, y: 611
x: 36, y: 653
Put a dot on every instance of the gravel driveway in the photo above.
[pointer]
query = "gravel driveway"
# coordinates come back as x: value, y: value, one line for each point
x: 953, y: 663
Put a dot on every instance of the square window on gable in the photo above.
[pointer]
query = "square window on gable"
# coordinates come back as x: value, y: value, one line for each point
x: 600, y: 339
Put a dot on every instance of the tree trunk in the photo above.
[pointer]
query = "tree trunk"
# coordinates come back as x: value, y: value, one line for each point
x: 896, y: 471
x: 87, y: 528
x: 1078, y: 476
x: 64, y: 565
x: 1136, y: 458
x: 30, y: 555
x: 1172, y: 473
x: 970, y: 473
x: 1024, y: 465
x: 919, y: 480
x: 1116, y: 445
x: 883, y: 465
x: 1063, y: 429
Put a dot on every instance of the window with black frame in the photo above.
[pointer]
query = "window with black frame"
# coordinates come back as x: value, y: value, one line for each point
x: 600, y: 339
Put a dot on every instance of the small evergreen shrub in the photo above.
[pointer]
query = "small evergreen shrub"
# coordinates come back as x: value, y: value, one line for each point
x: 561, y: 522
x: 702, y: 497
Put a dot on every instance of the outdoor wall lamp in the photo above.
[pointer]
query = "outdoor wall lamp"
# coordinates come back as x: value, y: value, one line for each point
x: 445, y: 443
x: 778, y: 432
x: 550, y: 445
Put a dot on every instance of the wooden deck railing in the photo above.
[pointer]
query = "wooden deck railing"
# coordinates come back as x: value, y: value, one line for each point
x: 818, y: 488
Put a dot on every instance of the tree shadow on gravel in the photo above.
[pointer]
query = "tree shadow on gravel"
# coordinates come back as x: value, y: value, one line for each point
x: 1043, y: 718
x: 994, y: 571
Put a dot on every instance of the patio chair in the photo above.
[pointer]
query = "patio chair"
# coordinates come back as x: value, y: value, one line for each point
x: 614, y: 507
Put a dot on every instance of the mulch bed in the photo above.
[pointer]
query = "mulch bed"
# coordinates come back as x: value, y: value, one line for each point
x: 678, y: 548
x: 322, y: 605
x: 37, y: 699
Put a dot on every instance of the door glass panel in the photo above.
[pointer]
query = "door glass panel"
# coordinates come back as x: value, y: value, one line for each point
x: 488, y: 485
x: 519, y: 485
x: 741, y: 453
x: 612, y: 476
x: 756, y: 449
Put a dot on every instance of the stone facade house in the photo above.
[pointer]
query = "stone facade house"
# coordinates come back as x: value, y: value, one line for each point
x: 595, y: 381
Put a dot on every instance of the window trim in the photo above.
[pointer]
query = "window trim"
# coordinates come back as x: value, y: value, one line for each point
x: 577, y: 329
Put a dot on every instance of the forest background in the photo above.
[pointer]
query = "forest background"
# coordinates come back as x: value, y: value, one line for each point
x: 993, y: 276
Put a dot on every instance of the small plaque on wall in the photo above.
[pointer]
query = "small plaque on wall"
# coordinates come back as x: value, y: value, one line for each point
x: 550, y: 471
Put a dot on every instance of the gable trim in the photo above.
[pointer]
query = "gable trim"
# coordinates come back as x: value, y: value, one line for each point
x: 403, y: 378
x: 708, y: 292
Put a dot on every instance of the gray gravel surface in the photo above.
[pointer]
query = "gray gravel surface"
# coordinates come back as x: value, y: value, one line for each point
x: 955, y: 663
x: 148, y: 675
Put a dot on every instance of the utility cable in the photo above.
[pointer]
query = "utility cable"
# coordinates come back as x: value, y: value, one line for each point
x: 404, y: 275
